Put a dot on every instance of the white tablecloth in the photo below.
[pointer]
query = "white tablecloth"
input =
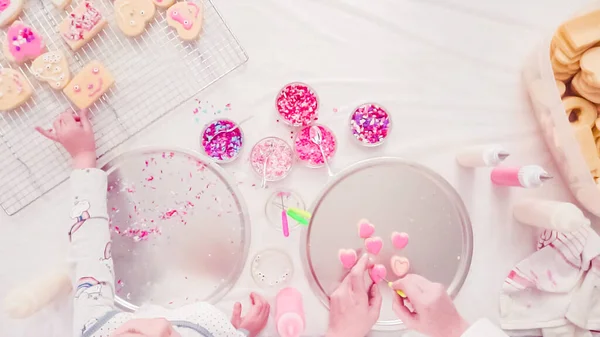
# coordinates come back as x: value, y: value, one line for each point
x: 448, y: 70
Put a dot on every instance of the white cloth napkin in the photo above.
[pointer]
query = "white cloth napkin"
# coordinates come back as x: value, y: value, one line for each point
x: 555, y: 292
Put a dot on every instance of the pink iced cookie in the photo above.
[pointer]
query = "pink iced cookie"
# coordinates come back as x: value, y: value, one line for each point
x: 377, y: 273
x: 400, y: 265
x: 373, y: 245
x: 347, y: 257
x: 23, y: 43
x: 399, y: 240
x: 365, y: 229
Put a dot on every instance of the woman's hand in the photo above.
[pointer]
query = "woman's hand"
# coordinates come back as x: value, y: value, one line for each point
x: 155, y: 327
x: 434, y: 313
x: 354, y: 309
x: 75, y: 134
x: 256, y: 319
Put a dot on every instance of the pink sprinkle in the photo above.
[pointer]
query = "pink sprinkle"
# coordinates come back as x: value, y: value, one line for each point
x: 150, y: 178
x: 297, y: 104
x: 275, y: 155
x: 146, y: 163
x: 169, y: 214
x: 228, y: 105
x: 309, y: 152
x: 114, y: 209
x: 130, y: 189
x: 335, y: 110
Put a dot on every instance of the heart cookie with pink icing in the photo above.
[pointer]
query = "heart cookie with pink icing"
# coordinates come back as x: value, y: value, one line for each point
x: 347, y: 257
x: 373, y: 245
x: 187, y: 18
x: 399, y: 240
x: 400, y: 265
x: 23, y: 43
x: 365, y: 229
x: 377, y: 273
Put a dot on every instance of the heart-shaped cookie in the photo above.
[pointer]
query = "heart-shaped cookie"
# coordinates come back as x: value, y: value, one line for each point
x: 347, y: 257
x: 365, y: 229
x: 400, y: 265
x: 373, y: 245
x: 378, y: 273
x: 399, y: 240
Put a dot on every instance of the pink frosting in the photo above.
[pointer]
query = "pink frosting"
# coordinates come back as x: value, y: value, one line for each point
x: 4, y: 5
x: 23, y: 42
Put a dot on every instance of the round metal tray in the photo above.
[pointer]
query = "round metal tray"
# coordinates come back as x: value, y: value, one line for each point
x: 180, y: 230
x: 395, y: 195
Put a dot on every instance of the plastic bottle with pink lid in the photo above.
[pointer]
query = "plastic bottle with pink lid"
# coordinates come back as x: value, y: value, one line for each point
x: 289, y: 313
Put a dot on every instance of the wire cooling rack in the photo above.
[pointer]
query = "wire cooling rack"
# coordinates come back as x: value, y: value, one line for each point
x: 154, y: 74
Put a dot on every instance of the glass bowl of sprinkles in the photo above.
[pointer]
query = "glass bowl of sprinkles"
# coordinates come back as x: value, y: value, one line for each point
x: 297, y: 104
x: 272, y: 157
x: 308, y: 152
x: 222, y: 140
x: 370, y: 124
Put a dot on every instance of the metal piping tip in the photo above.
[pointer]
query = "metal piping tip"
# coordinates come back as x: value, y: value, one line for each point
x: 545, y: 176
x: 503, y: 155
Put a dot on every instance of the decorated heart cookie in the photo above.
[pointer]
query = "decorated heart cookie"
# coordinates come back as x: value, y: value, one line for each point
x: 133, y: 15
x: 87, y: 86
x: 22, y: 43
x: 373, y: 245
x: 52, y: 67
x: 9, y: 11
x: 187, y: 18
x: 347, y: 257
x: 163, y: 3
x: 365, y: 229
x: 400, y: 265
x: 377, y: 273
x: 14, y: 89
x: 81, y: 25
x: 61, y: 4
x: 399, y: 240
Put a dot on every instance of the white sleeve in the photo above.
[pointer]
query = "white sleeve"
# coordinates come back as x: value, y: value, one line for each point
x: 90, y: 255
x: 484, y: 328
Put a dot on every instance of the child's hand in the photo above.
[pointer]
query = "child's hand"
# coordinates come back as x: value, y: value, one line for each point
x: 75, y: 134
x: 256, y: 319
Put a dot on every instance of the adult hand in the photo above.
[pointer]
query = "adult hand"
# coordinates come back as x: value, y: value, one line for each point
x: 155, y: 327
x: 75, y: 134
x: 434, y: 313
x: 256, y: 319
x: 354, y: 309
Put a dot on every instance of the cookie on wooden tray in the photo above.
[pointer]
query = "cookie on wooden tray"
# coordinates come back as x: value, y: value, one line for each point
x: 89, y: 85
x: 53, y: 68
x: 61, y: 4
x: 163, y: 3
x: 81, y: 25
x: 187, y: 18
x: 133, y: 15
x: 10, y: 12
x: 582, y: 32
x: 22, y: 43
x: 14, y: 89
x: 584, y: 89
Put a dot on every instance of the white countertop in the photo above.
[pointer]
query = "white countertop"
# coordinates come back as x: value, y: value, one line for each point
x: 448, y: 70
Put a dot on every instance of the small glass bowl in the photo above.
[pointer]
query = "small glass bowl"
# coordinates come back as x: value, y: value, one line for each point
x: 272, y: 268
x: 304, y: 147
x: 294, y: 121
x: 279, y: 201
x: 211, y: 132
x: 367, y: 140
x: 282, y: 157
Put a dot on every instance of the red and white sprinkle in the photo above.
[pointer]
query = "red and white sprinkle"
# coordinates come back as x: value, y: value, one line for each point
x: 308, y: 152
x: 297, y: 104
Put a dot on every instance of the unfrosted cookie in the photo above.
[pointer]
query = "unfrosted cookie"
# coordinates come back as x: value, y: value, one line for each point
x: 22, y: 43
x: 163, y: 3
x: 581, y: 112
x: 87, y: 86
x: 52, y: 67
x: 133, y: 15
x: 61, y: 4
x: 14, y: 89
x: 9, y: 11
x: 186, y: 17
x: 81, y: 25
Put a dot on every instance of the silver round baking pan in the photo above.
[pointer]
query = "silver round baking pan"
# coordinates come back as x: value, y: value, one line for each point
x: 179, y: 227
x: 395, y: 195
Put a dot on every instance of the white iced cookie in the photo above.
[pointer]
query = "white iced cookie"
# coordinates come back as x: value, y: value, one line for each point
x: 14, y: 89
x: 163, y: 3
x: 133, y: 15
x: 81, y: 25
x: 9, y: 11
x: 89, y: 85
x: 187, y: 18
x: 61, y: 4
x: 51, y: 67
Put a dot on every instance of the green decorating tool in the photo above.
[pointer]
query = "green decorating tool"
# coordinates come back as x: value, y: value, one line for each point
x: 301, y: 216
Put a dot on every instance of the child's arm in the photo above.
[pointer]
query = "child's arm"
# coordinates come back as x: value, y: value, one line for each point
x: 90, y: 256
